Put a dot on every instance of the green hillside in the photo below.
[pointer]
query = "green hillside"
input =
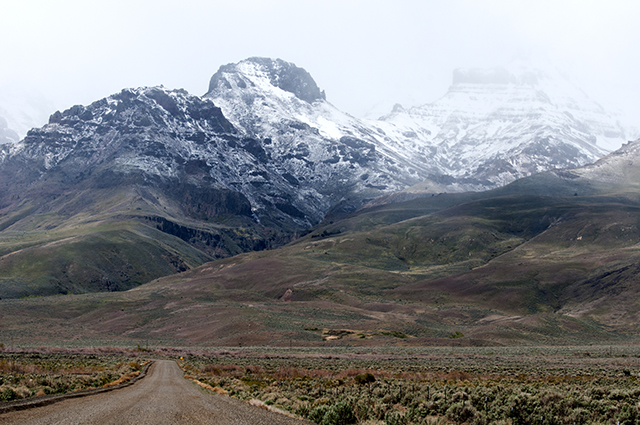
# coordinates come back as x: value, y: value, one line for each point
x: 110, y: 239
x: 501, y: 267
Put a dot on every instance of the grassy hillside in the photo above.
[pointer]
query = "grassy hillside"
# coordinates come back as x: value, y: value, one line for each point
x: 549, y: 259
x: 110, y: 239
x: 502, y: 267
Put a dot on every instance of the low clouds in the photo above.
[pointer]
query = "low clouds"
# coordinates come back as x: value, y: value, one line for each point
x: 367, y: 55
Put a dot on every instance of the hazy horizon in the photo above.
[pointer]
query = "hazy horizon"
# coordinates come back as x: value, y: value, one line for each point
x: 366, y: 55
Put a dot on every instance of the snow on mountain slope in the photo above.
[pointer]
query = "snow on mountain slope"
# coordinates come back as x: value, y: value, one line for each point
x: 619, y: 167
x: 280, y: 105
x: 290, y: 163
x: 500, y: 124
x: 266, y: 137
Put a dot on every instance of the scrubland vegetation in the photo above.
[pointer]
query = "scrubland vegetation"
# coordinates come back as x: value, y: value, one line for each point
x: 431, y: 386
x: 373, y: 386
x: 38, y: 372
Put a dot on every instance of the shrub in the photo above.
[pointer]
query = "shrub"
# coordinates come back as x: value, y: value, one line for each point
x: 8, y: 394
x: 364, y: 378
x: 339, y: 414
x: 362, y: 412
x: 395, y: 418
x: 460, y: 412
x: 580, y: 416
x: 629, y: 415
x: 317, y: 414
x: 22, y: 392
x: 303, y: 410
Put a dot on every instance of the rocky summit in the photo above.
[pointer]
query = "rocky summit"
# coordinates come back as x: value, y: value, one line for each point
x: 283, y: 75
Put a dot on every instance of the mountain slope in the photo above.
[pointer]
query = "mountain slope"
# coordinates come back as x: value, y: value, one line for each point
x: 335, y: 156
x: 549, y: 259
x: 130, y: 164
x: 151, y: 159
x: 259, y: 160
x: 496, y: 125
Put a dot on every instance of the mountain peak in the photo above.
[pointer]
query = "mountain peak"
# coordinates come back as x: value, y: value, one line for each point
x: 276, y: 72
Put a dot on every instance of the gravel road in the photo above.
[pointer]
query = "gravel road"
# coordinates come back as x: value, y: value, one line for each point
x: 162, y: 397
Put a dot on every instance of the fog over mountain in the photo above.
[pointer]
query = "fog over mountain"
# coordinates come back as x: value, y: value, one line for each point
x: 21, y: 109
x: 367, y: 56
x: 504, y: 123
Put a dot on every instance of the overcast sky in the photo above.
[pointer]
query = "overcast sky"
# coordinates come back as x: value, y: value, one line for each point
x: 366, y: 54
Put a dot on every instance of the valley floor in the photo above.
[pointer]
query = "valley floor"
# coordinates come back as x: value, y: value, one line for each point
x: 399, y: 385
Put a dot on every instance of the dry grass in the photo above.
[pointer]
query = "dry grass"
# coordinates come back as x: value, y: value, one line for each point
x: 38, y: 372
x: 262, y: 405
x: 122, y: 379
x: 207, y: 387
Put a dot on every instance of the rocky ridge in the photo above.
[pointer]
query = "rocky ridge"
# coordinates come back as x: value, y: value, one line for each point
x: 265, y: 132
x: 496, y: 125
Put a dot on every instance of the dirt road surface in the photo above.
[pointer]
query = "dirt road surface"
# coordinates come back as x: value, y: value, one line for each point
x: 162, y: 397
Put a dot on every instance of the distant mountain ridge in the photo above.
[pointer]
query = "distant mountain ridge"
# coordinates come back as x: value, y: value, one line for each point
x: 258, y: 160
x: 7, y: 135
x: 497, y: 125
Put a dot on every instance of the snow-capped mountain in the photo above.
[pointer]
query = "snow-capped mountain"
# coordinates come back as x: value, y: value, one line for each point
x: 152, y: 181
x: 496, y: 125
x: 330, y: 154
x: 279, y: 153
x: 264, y: 142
